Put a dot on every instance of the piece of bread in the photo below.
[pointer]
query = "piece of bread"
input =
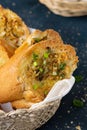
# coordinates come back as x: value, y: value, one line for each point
x: 3, y: 54
x: 48, y: 34
x: 12, y: 29
x: 38, y: 36
x: 31, y: 72
x: 22, y: 103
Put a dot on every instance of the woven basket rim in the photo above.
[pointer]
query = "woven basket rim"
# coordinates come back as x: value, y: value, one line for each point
x: 70, y: 1
x: 28, y: 119
x: 66, y: 1
x: 66, y: 8
x: 18, y: 111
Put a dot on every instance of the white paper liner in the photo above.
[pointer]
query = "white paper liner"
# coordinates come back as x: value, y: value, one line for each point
x: 32, y: 29
x: 58, y: 91
x: 7, y: 107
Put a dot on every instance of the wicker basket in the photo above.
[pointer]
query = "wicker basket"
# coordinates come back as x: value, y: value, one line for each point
x: 39, y: 113
x: 28, y: 119
x: 67, y: 7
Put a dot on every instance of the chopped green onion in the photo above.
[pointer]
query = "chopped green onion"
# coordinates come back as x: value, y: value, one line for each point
x: 62, y: 66
x: 78, y: 78
x: 78, y: 103
x: 35, y: 63
x: 41, y: 69
x: 35, y: 86
x: 46, y: 54
x: 45, y: 92
x: 35, y: 56
x: 62, y: 76
x: 37, y: 39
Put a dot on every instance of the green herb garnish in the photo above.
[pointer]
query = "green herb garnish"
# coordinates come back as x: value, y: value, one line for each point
x: 35, y: 63
x: 46, y: 54
x: 41, y: 69
x: 62, y: 66
x: 35, y: 86
x: 37, y: 39
x: 78, y: 103
x: 62, y: 76
x: 78, y: 78
x: 45, y: 92
x: 35, y: 56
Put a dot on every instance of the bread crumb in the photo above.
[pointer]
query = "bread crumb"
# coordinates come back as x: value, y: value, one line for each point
x: 78, y: 34
x: 68, y: 111
x: 13, y: 4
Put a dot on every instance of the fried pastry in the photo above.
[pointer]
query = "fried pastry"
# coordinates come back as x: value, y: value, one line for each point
x: 12, y: 29
x: 3, y: 54
x: 31, y: 72
x: 38, y: 36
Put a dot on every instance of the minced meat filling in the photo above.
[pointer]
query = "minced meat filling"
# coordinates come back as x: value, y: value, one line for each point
x: 43, y: 70
x: 47, y: 65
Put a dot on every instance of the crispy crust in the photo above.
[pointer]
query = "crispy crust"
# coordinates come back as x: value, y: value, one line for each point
x: 48, y: 34
x: 22, y: 103
x: 39, y: 35
x: 3, y: 54
x: 18, y: 86
x: 12, y: 29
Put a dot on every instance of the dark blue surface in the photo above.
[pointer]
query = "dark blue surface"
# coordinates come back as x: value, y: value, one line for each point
x: 73, y: 31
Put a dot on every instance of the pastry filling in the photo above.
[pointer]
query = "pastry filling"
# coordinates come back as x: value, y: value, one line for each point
x: 44, y: 70
x: 11, y: 30
x: 47, y: 66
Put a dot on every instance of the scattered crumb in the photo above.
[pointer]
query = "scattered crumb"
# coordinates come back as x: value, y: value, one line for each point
x: 59, y: 30
x: 83, y: 100
x: 77, y: 43
x: 85, y: 96
x: 30, y: 12
x: 71, y: 122
x: 13, y: 4
x: 49, y: 12
x: 68, y: 126
x: 56, y: 126
x: 78, y: 34
x: 78, y: 127
x: 68, y: 111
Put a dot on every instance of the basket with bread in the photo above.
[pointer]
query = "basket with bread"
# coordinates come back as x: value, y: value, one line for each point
x: 35, y: 73
x: 67, y: 7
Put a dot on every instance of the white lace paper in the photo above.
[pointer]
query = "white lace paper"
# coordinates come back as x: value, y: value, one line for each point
x: 58, y: 91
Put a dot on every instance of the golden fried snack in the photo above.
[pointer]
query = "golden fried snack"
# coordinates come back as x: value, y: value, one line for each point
x: 38, y: 36
x: 3, y: 54
x: 12, y: 29
x: 31, y: 72
x: 48, y: 34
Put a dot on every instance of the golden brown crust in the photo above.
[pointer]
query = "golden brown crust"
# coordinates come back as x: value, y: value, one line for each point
x: 38, y: 36
x: 53, y: 35
x: 22, y: 103
x: 3, y: 54
x: 20, y: 77
x: 12, y: 29
x: 48, y: 34
x: 9, y: 50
